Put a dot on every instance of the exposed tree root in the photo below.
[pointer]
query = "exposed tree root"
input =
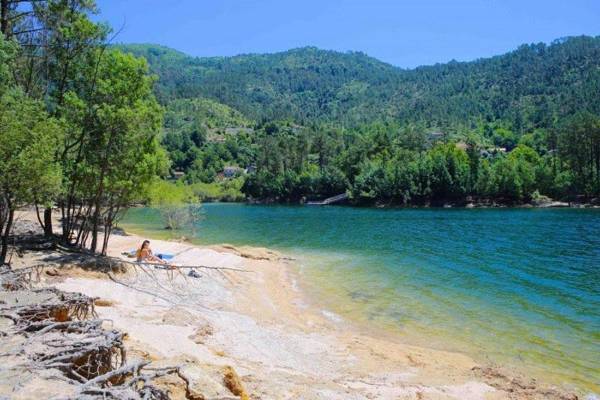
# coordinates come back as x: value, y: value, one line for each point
x: 62, y: 333
x: 41, y: 307
x: 22, y: 278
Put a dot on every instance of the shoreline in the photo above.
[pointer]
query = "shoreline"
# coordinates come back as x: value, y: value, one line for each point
x: 494, y: 362
x: 262, y: 324
x: 387, y: 336
x: 552, y: 204
x: 330, y: 294
x: 462, y: 205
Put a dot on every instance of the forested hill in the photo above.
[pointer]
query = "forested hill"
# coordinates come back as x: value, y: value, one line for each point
x: 528, y: 88
x: 303, y: 84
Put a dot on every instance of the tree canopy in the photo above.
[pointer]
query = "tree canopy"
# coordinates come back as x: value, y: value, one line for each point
x: 78, y: 121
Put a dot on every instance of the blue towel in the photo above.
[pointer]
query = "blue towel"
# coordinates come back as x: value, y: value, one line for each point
x: 165, y: 256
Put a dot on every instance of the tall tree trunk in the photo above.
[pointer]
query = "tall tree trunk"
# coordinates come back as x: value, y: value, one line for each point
x: 96, y: 215
x: 95, y: 218
x: 107, y: 231
x: 48, y: 231
x: 100, y: 192
x: 4, y: 17
x: 5, y: 234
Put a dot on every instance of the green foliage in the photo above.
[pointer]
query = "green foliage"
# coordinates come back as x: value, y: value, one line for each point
x: 121, y: 153
x: 528, y: 88
x: 29, y: 175
x: 111, y: 151
x: 513, y: 179
x: 449, y: 172
x: 292, y: 186
x: 52, y: 57
x: 376, y: 165
x: 439, y: 175
x: 503, y: 137
x: 177, y: 203
x: 7, y: 50
x: 537, y: 140
x: 162, y: 193
x: 192, y: 113
x: 579, y: 147
x: 202, y: 137
x: 225, y: 190
x: 29, y: 137
x: 299, y: 83
x: 331, y: 122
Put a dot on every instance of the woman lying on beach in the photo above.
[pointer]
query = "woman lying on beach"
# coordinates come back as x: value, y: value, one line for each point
x: 144, y: 254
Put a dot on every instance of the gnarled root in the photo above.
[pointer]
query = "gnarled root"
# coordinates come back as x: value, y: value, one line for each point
x: 32, y: 310
x: 62, y: 333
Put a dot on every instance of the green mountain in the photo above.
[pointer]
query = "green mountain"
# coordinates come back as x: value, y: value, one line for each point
x: 313, y: 123
x: 528, y: 88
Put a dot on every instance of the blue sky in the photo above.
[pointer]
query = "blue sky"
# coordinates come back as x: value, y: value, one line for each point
x: 402, y: 32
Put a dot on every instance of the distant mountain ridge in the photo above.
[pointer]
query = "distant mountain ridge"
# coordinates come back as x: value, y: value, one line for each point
x: 530, y: 87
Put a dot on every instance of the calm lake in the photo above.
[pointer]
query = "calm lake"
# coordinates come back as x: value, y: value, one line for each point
x: 519, y: 287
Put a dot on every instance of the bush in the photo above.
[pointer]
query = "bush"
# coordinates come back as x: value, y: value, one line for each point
x: 228, y: 190
x: 177, y: 203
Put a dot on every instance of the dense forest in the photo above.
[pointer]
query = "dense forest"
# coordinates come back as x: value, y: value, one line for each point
x: 528, y: 88
x: 508, y: 129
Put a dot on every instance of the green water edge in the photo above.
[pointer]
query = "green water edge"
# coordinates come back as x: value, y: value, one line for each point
x: 498, y: 339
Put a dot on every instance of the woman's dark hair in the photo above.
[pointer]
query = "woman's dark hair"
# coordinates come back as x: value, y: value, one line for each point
x: 145, y: 242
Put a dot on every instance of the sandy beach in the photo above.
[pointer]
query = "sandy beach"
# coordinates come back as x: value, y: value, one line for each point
x: 250, y: 315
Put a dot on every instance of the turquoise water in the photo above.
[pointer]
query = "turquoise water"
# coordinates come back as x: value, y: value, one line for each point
x: 511, y: 286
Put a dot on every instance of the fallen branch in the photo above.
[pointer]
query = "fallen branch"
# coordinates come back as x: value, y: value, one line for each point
x: 207, y: 267
x: 169, y: 266
x: 138, y: 289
